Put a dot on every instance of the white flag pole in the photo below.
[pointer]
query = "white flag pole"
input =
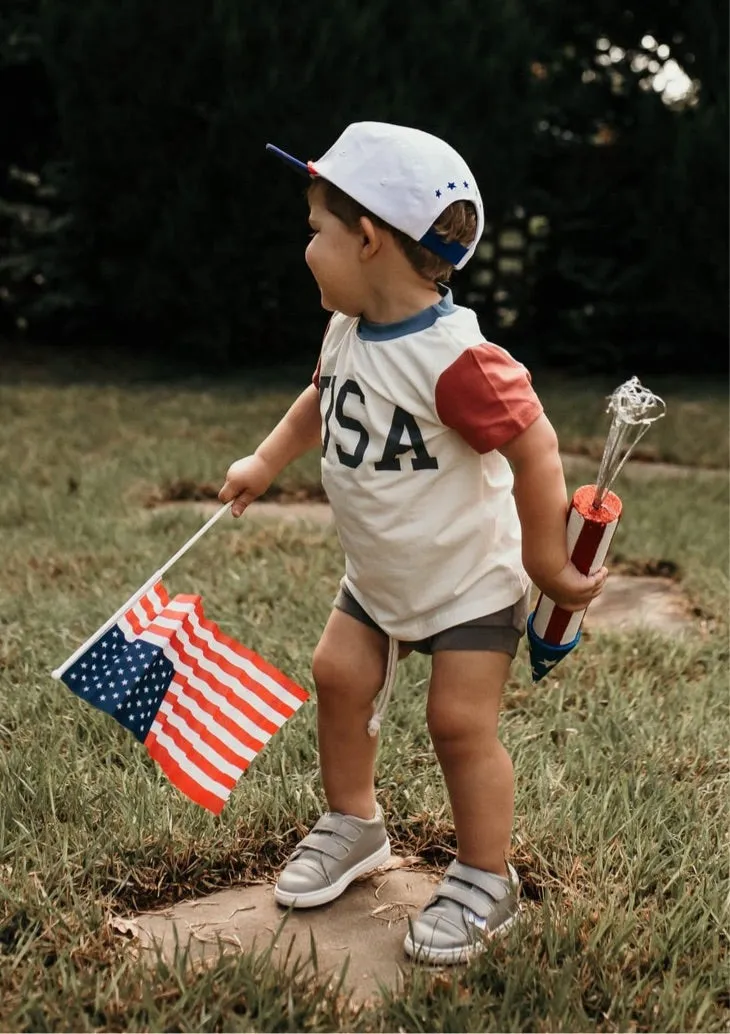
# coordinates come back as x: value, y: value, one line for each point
x: 140, y: 592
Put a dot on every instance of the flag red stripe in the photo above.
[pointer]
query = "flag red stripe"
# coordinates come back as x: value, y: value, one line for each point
x: 243, y: 651
x: 217, y: 686
x: 204, y: 731
x: 230, y: 668
x: 179, y: 778
x: 134, y: 622
x: 149, y: 607
x: 221, y: 717
x: 198, y: 759
x: 161, y: 595
x: 269, y: 698
x: 153, y: 601
x: 151, y: 612
x: 176, y: 642
x: 263, y: 665
x: 175, y: 639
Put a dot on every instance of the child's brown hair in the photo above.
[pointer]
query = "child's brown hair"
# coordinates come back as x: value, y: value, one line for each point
x: 458, y: 222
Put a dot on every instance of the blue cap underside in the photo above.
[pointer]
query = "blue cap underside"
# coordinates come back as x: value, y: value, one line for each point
x: 289, y: 159
x: 452, y: 251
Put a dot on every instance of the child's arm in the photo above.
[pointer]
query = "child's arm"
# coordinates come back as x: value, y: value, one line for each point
x: 296, y: 433
x: 542, y: 505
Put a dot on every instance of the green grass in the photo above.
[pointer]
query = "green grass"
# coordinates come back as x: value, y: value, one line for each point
x: 621, y: 757
x: 694, y: 430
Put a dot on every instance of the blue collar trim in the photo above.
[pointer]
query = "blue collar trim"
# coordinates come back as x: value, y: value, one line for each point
x: 411, y: 325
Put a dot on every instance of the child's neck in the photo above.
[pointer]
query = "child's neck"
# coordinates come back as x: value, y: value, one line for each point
x: 389, y: 306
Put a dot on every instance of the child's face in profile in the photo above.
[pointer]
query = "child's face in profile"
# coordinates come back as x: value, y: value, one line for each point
x: 333, y: 255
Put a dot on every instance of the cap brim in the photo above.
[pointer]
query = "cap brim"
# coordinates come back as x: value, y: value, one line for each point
x: 305, y: 168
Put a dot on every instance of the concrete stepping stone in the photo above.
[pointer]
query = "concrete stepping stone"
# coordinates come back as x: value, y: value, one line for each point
x: 368, y: 924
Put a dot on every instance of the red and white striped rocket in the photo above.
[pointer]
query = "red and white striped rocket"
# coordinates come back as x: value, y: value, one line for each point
x: 553, y: 632
x: 592, y: 520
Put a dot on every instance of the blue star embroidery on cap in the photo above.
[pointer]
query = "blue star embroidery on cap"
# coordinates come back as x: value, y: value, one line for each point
x: 451, y: 186
x: 466, y: 184
x: 438, y: 193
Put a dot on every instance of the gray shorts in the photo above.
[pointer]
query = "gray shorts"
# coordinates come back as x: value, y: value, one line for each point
x: 499, y: 632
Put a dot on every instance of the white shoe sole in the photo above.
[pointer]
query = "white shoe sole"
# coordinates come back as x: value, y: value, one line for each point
x: 313, y: 898
x: 453, y: 956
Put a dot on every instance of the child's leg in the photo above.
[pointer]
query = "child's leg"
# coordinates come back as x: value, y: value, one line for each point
x: 350, y: 839
x: 463, y: 713
x: 478, y: 895
x: 349, y: 668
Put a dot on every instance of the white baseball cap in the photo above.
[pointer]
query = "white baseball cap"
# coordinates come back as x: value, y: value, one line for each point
x: 404, y: 176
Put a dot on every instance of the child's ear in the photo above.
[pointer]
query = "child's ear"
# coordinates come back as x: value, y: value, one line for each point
x: 372, y: 237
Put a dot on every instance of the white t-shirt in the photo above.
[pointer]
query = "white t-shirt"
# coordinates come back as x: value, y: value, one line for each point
x: 413, y: 414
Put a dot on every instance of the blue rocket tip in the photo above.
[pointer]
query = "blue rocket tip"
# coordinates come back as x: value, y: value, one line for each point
x: 543, y: 655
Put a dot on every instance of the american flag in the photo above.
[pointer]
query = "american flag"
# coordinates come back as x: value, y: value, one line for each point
x: 202, y: 704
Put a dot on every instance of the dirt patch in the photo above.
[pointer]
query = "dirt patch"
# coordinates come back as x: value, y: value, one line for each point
x: 640, y: 466
x: 592, y: 448
x: 366, y: 925
x: 313, y: 512
x: 621, y: 565
x: 290, y: 512
x: 185, y: 490
x: 628, y: 603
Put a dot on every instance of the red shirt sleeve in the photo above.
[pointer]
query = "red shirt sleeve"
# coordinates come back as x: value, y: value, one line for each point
x: 487, y: 397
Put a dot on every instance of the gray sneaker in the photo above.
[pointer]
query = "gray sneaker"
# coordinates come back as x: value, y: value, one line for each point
x: 338, y: 849
x: 469, y: 906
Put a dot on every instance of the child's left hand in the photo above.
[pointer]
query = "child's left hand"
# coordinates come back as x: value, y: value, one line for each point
x: 572, y: 590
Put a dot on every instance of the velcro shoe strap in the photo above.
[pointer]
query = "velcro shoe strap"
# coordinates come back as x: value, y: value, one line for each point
x: 495, y: 886
x: 470, y: 898
x: 324, y: 843
x: 329, y: 823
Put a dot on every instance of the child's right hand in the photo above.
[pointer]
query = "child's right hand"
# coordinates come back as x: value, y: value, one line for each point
x: 571, y: 589
x: 246, y: 479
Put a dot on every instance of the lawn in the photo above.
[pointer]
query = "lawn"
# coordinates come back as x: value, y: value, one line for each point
x: 621, y: 756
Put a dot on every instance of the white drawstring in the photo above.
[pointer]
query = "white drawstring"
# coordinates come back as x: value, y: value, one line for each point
x: 383, y: 697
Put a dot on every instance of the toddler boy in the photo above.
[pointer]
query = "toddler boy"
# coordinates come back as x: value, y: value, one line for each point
x: 448, y: 496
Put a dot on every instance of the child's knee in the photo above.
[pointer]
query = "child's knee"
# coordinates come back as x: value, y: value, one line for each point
x: 337, y: 679
x: 327, y: 668
x: 454, y: 726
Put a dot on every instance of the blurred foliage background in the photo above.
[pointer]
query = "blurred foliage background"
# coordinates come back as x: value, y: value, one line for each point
x: 138, y: 205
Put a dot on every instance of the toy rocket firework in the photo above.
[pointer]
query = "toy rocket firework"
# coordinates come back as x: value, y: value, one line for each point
x: 592, y: 520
